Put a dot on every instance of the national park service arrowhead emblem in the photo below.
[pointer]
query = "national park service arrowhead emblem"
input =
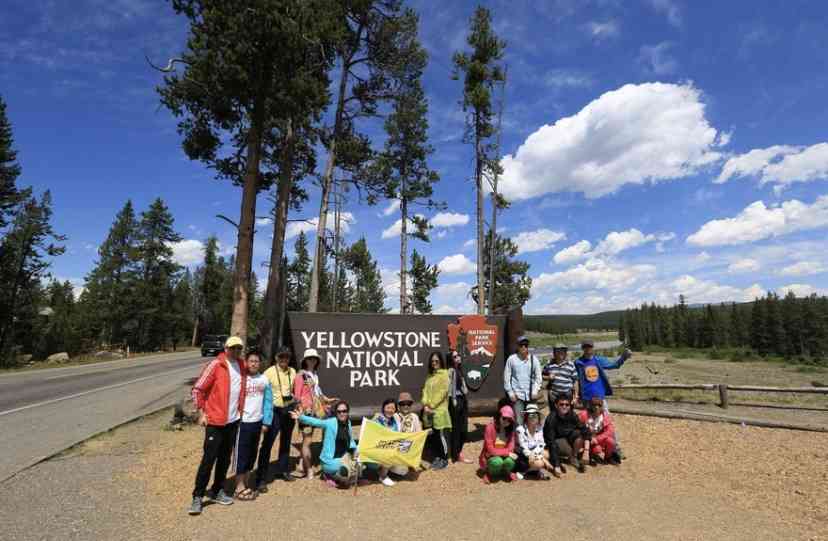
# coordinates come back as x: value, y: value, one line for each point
x: 476, y: 342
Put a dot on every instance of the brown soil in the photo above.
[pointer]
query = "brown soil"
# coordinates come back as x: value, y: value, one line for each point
x: 682, y: 480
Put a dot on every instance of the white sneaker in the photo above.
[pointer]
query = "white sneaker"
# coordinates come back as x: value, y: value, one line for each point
x: 519, y: 476
x: 387, y: 481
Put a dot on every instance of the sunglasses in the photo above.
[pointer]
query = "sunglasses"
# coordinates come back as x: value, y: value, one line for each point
x: 563, y: 404
x: 342, y: 411
x: 406, y: 403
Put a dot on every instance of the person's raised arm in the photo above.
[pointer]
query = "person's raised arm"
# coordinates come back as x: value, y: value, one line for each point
x: 606, y: 364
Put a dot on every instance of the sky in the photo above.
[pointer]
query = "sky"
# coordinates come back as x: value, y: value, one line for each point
x: 651, y: 147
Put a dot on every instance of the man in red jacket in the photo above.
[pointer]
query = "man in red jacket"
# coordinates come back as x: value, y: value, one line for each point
x: 219, y: 397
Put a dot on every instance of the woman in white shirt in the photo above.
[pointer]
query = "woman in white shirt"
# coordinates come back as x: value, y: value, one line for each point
x: 531, y: 445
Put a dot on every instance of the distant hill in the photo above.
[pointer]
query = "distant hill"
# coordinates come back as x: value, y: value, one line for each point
x: 564, y: 323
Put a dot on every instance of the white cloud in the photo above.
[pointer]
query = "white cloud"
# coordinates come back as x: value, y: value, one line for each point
x: 593, y: 274
x: 392, y: 207
x: 534, y: 241
x: 633, y: 135
x: 567, y: 79
x: 309, y: 226
x: 757, y: 222
x: 618, y: 241
x: 803, y: 268
x: 696, y: 290
x: 456, y: 264
x: 573, y: 253
x: 800, y: 290
x: 469, y: 243
x: 670, y: 9
x: 657, y: 58
x: 780, y: 165
x: 743, y: 266
x: 448, y: 219
x: 187, y: 252
x: 602, y: 30
x: 442, y: 233
x: 664, y: 237
x: 391, y: 282
x: 264, y: 221
x: 702, y: 257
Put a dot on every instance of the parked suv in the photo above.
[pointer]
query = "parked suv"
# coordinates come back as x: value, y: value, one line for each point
x: 213, y: 344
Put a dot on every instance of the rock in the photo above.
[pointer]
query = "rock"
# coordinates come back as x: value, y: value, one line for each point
x: 25, y: 358
x: 61, y: 357
x: 108, y: 355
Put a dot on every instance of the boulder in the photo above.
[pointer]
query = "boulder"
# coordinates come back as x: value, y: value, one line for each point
x: 55, y: 358
x: 108, y: 355
x: 24, y: 359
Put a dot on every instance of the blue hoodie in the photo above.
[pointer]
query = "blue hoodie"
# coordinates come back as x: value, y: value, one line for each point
x: 330, y: 465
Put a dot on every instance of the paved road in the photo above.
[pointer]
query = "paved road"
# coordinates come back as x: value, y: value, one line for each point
x: 45, y: 411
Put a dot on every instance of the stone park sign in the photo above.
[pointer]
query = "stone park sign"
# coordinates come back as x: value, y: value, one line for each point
x: 366, y: 358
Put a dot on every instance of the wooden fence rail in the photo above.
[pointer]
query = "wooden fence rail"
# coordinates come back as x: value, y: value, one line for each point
x: 723, y: 388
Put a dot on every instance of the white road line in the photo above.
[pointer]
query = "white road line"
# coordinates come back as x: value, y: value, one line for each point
x: 90, y: 391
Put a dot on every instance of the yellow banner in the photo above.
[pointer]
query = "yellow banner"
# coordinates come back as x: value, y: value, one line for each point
x: 382, y: 446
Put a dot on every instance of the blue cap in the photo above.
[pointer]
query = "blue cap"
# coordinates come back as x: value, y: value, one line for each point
x: 522, y: 338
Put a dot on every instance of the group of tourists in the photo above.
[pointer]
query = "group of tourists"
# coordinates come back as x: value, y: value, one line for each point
x: 244, y: 410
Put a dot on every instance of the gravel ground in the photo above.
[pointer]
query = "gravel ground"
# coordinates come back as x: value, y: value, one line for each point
x: 682, y: 480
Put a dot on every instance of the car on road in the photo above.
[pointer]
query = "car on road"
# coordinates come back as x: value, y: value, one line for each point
x: 213, y: 344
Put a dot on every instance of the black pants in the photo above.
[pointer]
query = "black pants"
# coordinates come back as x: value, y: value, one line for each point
x: 283, y: 427
x: 459, y: 426
x: 438, y: 443
x: 218, y: 449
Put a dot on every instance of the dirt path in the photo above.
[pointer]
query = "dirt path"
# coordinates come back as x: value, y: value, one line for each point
x: 683, y: 480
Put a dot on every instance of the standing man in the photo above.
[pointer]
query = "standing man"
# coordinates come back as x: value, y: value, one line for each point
x: 593, y: 381
x: 522, y: 378
x: 560, y: 375
x: 281, y: 376
x: 218, y: 395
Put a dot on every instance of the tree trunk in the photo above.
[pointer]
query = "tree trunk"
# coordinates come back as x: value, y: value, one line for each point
x: 478, y: 181
x: 272, y: 308
x: 404, y: 309
x: 244, y: 244
x: 337, y: 232
x: 319, y: 253
x: 194, y: 340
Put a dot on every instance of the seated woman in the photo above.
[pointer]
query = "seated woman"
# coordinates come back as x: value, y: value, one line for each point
x: 497, y: 459
x: 408, y: 421
x: 338, y: 456
x: 531, y: 445
x: 387, y: 418
x: 564, y: 433
x: 602, y: 429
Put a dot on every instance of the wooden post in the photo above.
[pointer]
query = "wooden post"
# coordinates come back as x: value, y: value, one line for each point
x: 723, y: 395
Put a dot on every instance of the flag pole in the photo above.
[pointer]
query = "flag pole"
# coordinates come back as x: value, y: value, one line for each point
x: 358, y: 468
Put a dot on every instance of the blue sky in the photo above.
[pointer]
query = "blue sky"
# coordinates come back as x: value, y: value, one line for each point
x: 653, y: 147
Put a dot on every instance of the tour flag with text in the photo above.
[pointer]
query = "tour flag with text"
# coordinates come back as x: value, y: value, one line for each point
x: 386, y: 447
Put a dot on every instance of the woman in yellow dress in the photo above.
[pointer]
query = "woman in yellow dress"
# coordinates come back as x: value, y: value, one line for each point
x: 436, y: 410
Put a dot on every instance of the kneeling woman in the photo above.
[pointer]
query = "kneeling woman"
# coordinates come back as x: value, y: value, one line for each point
x: 338, y: 445
x: 531, y: 444
x: 497, y: 459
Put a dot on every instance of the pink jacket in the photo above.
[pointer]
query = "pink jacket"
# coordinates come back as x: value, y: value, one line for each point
x: 489, y: 449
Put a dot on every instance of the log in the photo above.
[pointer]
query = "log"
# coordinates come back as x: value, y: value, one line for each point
x: 814, y: 390
x: 708, y: 418
x: 696, y: 386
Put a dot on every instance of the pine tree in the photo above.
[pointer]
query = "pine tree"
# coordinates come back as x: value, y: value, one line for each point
x: 110, y: 285
x: 737, y: 327
x: 758, y: 336
x: 368, y: 294
x: 9, y: 170
x: 368, y: 50
x: 423, y: 281
x: 403, y: 166
x: 512, y: 282
x: 182, y: 310
x: 230, y: 99
x: 666, y: 328
x: 791, y: 310
x: 482, y: 71
x: 299, y: 276
x: 623, y: 322
x: 212, y: 277
x: 157, y: 273
x: 680, y: 323
x: 25, y: 257
x: 774, y: 327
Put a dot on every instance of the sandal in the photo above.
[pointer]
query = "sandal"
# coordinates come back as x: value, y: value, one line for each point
x: 246, y: 495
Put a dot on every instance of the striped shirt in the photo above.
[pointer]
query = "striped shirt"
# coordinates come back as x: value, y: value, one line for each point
x: 562, y: 377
